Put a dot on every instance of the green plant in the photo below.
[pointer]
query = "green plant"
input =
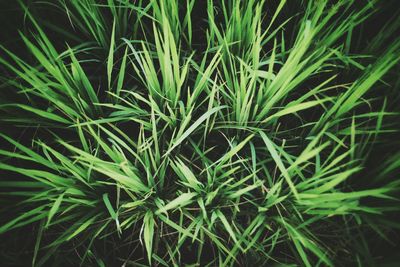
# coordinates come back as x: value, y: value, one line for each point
x: 205, y: 133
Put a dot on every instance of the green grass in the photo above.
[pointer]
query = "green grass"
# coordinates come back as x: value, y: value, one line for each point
x: 201, y: 133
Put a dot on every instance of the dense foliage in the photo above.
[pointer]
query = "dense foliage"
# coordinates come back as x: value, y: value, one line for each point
x: 200, y: 133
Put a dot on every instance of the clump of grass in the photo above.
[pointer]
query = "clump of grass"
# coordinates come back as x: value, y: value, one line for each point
x: 205, y: 133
